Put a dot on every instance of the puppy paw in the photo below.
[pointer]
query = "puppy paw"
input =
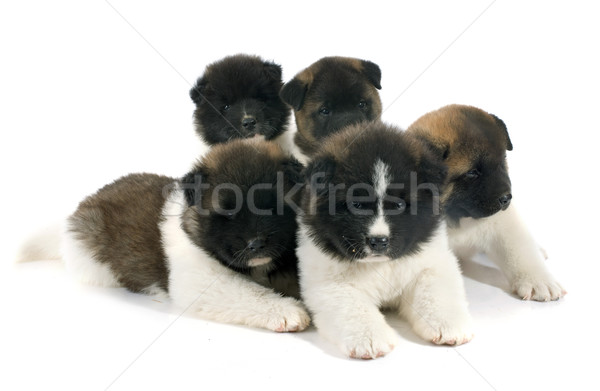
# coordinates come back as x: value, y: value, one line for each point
x: 290, y: 317
x: 453, y: 330
x: 370, y: 343
x: 538, y: 287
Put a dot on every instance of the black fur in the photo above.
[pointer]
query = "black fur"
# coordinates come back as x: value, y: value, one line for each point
x: 330, y: 94
x: 226, y: 235
x: 236, y: 88
x: 349, y: 158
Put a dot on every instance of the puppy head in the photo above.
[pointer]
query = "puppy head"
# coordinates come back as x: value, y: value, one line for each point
x: 238, y: 97
x: 372, y: 195
x: 473, y: 144
x: 330, y: 94
x: 236, y: 210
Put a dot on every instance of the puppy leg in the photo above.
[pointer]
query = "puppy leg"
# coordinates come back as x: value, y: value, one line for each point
x: 348, y: 318
x: 435, y: 304
x: 511, y: 246
x: 213, y: 292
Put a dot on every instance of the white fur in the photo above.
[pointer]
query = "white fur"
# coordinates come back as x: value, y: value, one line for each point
x: 381, y: 181
x: 199, y: 284
x: 80, y: 262
x: 506, y: 240
x: 43, y: 244
x: 286, y: 142
x: 345, y: 297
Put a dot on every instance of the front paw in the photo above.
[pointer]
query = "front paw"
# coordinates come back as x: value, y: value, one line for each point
x: 455, y: 329
x: 542, y: 287
x: 369, y: 343
x: 291, y: 316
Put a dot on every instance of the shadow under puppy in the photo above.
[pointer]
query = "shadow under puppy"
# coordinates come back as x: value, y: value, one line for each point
x: 238, y: 97
x: 477, y: 201
x: 371, y: 237
x: 217, y: 242
x: 328, y: 95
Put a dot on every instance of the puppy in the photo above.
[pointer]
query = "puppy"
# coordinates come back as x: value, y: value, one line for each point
x: 371, y: 236
x: 238, y: 97
x: 477, y: 202
x: 331, y: 93
x: 216, y: 241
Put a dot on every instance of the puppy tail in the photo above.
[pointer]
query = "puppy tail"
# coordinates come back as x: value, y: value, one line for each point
x: 42, y: 245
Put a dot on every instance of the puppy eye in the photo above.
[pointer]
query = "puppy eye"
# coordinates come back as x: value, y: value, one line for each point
x: 362, y: 104
x: 324, y: 111
x: 400, y: 205
x: 225, y: 107
x: 357, y: 205
x: 473, y: 174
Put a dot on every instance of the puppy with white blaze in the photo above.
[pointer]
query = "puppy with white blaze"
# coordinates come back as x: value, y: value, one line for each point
x: 218, y: 242
x: 371, y: 237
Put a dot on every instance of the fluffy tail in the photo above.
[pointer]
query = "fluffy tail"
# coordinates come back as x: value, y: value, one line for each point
x: 42, y: 245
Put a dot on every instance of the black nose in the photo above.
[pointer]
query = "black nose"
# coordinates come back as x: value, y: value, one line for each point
x: 248, y: 122
x: 378, y: 243
x: 505, y: 200
x: 256, y: 244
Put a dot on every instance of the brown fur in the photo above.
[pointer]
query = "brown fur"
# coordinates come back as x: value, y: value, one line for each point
x: 109, y: 226
x: 453, y: 131
x: 338, y: 83
x: 467, y: 138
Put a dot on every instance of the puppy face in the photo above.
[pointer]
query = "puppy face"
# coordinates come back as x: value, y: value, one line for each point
x: 238, y: 97
x: 371, y: 195
x: 330, y: 94
x: 236, y: 210
x: 473, y: 145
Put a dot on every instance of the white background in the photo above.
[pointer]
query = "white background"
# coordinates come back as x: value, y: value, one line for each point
x: 88, y: 95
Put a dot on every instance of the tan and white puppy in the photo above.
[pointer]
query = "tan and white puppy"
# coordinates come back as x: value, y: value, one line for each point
x: 477, y: 200
x: 371, y: 237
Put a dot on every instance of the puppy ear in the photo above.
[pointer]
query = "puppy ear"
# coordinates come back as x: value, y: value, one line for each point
x: 372, y: 72
x: 293, y: 93
x: 441, y: 151
x: 197, y: 91
x: 191, y: 185
x: 293, y: 170
x: 272, y: 70
x: 433, y: 169
x: 319, y: 173
x: 502, y: 126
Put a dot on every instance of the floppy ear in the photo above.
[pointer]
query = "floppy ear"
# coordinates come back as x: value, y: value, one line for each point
x: 319, y: 173
x: 197, y: 91
x: 293, y: 170
x: 439, y: 150
x: 502, y: 126
x: 293, y: 93
x: 272, y: 70
x: 191, y: 185
x: 372, y: 72
x: 433, y: 169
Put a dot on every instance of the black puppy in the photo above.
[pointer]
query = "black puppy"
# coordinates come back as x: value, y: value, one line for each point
x: 238, y: 97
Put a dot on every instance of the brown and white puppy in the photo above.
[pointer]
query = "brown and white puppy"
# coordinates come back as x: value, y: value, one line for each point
x: 332, y: 93
x: 219, y: 242
x: 477, y: 199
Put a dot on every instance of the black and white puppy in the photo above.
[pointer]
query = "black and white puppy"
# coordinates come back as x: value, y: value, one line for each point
x: 238, y: 97
x: 477, y: 203
x: 219, y: 242
x: 330, y: 94
x: 371, y: 237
